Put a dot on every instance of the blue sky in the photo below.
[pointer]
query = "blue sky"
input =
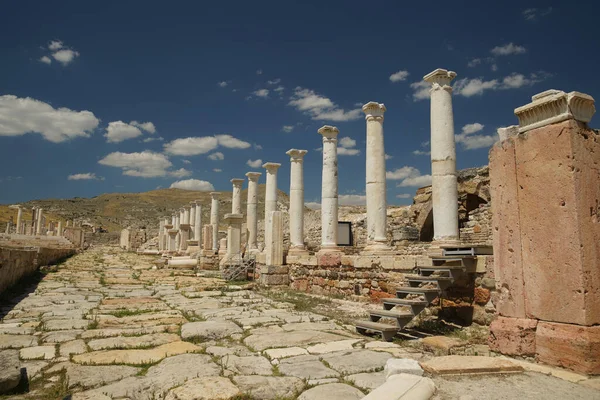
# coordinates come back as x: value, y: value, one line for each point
x: 131, y: 96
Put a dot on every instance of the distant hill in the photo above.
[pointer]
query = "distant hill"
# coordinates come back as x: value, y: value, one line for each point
x: 115, y: 211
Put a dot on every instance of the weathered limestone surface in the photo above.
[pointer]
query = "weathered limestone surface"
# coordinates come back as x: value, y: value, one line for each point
x: 274, y: 239
x: 329, y: 188
x: 513, y: 336
x: 251, y: 209
x: 271, y: 189
x: 296, y: 200
x: 214, y: 220
x: 10, y: 373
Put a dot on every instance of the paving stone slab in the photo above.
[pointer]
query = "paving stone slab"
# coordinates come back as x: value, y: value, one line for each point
x: 132, y: 342
x: 323, y: 348
x: 249, y: 365
x: 60, y: 336
x: 290, y: 339
x: 356, y: 361
x: 306, y: 367
x: 10, y: 373
x: 209, y: 330
x: 209, y: 388
x: 66, y: 324
x: 395, y: 366
x: 73, y: 347
x: 458, y: 365
x: 38, y: 353
x: 110, y: 332
x: 368, y: 381
x: 285, y: 352
x: 17, y: 341
x: 269, y: 387
x: 135, y: 357
x: 332, y: 391
x: 86, y: 376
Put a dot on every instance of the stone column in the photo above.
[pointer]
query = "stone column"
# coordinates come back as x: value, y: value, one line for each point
x: 375, y: 177
x: 236, y: 196
x: 214, y: 219
x: 19, y: 218
x: 193, y: 220
x: 40, y: 223
x: 296, y: 201
x: 186, y: 215
x: 271, y: 189
x: 329, y: 188
x: 443, y: 157
x: 59, y: 229
x: 251, y: 212
x: 167, y: 225
x: 198, y: 222
x: 234, y: 234
x: 274, y: 239
x: 161, y: 232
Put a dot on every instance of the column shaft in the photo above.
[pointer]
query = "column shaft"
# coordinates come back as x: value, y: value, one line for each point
x: 19, y: 218
x: 214, y: 219
x: 198, y: 224
x: 251, y: 209
x: 329, y: 188
x: 296, y: 198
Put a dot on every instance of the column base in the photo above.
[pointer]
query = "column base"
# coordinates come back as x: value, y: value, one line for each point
x: 297, y: 251
x: 329, y: 257
x: 377, y: 248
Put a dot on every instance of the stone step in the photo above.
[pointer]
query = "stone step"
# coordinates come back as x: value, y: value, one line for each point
x: 417, y: 290
x: 387, y: 331
x: 429, y: 278
x: 405, y: 302
x: 441, y: 268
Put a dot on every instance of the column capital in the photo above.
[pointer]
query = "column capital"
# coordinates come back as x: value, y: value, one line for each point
x: 373, y: 109
x: 440, y: 77
x: 253, y: 176
x: 271, y: 167
x: 213, y: 195
x: 237, y: 182
x: 296, y: 155
x: 328, y: 132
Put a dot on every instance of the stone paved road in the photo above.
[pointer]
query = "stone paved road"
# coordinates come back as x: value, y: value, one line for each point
x: 107, y: 325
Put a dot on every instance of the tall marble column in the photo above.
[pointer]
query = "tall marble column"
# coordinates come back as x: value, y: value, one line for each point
x: 214, y: 219
x: 161, y: 233
x: 192, y: 220
x: 186, y: 215
x: 329, y: 188
x: 375, y: 179
x: 236, y: 196
x: 296, y: 200
x: 198, y: 222
x: 271, y: 189
x: 59, y: 231
x: 234, y: 235
x: 19, y: 218
x: 251, y: 209
x: 443, y: 157
x: 40, y: 223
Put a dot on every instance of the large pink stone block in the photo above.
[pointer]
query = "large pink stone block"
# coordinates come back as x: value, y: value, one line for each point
x: 569, y: 346
x: 558, y: 178
x: 508, y: 265
x: 513, y: 336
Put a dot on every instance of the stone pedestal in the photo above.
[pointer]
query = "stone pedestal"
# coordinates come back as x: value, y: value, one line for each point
x: 375, y: 181
x: 274, y: 276
x: 546, y: 223
x: 234, y: 234
x: 251, y: 211
x: 222, y: 247
x: 297, y: 201
x: 184, y: 236
x: 214, y: 219
x: 443, y: 158
x: 274, y: 239
x: 207, y: 240
x: 329, y: 189
x: 172, y: 242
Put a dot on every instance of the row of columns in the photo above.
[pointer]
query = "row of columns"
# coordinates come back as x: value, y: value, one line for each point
x: 37, y: 225
x: 176, y: 232
x: 444, y: 182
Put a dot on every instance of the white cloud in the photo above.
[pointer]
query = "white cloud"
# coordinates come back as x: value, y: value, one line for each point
x: 346, y: 147
x: 65, y: 56
x: 388, y: 157
x: 254, y: 164
x: 217, y: 170
x: 287, y: 128
x: 279, y: 89
x: 180, y: 173
x: 404, y: 196
x: 217, y: 156
x: 55, y: 45
x: 223, y: 84
x: 264, y: 93
x: 186, y: 161
x: 421, y: 90
x: 313, y: 205
x: 469, y: 141
x: 399, y: 76
x: 257, y: 146
x: 193, y: 184
x: 494, y: 67
x: 259, y: 72
x: 342, y: 151
x: 472, y: 128
x: 421, y: 152
x: 320, y: 107
x: 508, y: 49
x: 532, y: 14
x: 146, y: 164
x: 119, y: 131
x: 274, y: 81
x: 231, y: 142
x: 146, y: 126
x: 352, y: 200
x: 416, y: 181
x: 152, y: 139
x: 85, y: 176
x: 471, y: 87
x: 191, y: 146
x: 425, y: 144
x: 46, y: 60
x: 474, y: 62
x: 19, y: 116
x: 402, y: 173
x: 408, y: 177
x: 347, y: 142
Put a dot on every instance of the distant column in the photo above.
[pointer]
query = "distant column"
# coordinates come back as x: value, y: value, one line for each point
x: 59, y: 229
x: 19, y: 218
x: 186, y: 215
x: 443, y: 157
x: 234, y: 236
x: 251, y: 209
x: 375, y: 177
x: 274, y: 239
x: 329, y: 188
x: 198, y: 222
x: 193, y: 219
x: 38, y: 227
x: 214, y: 219
x: 271, y: 189
x: 161, y: 233
x: 296, y: 200
x: 236, y: 196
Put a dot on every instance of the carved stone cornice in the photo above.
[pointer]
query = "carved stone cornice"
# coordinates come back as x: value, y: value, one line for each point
x: 253, y: 176
x: 296, y: 155
x: 374, y: 110
x: 554, y: 106
x: 271, y: 167
x: 328, y: 132
x: 237, y: 182
x: 440, y: 79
